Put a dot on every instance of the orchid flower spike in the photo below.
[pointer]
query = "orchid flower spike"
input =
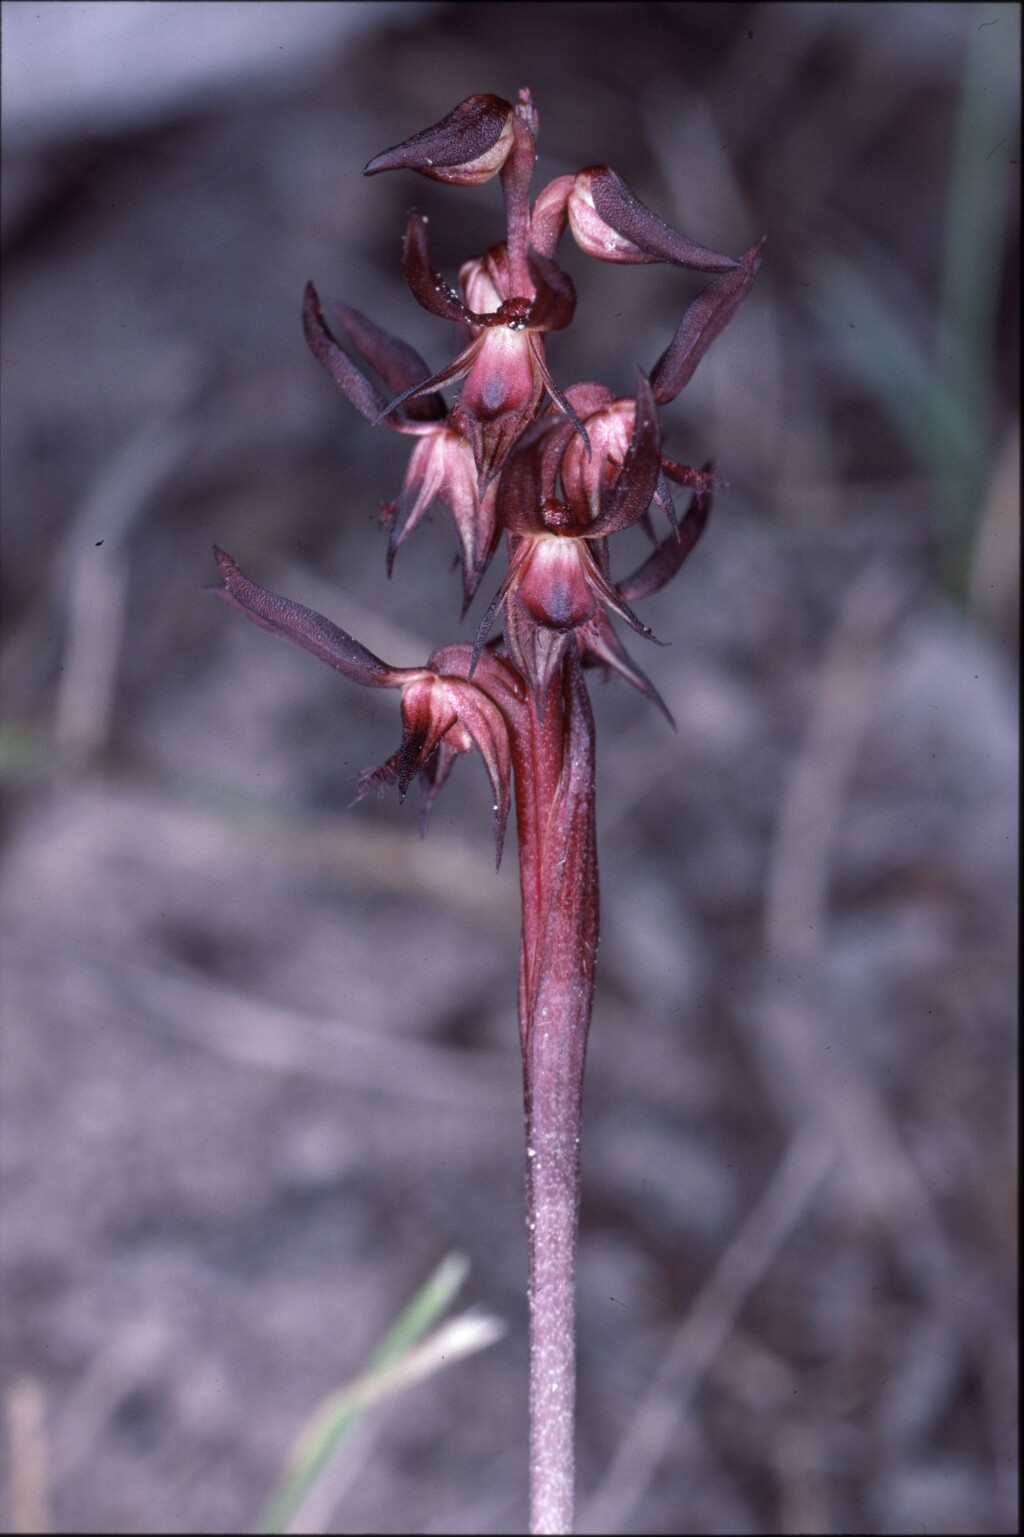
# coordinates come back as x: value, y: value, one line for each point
x: 559, y: 473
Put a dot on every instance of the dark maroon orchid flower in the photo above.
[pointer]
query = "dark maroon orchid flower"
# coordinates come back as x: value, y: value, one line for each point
x: 481, y: 136
x: 444, y: 715
x: 559, y: 473
x: 560, y: 509
x: 503, y: 365
x: 557, y: 579
x: 442, y: 466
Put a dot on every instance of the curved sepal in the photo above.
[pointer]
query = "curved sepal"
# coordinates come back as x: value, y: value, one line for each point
x: 428, y: 286
x: 452, y: 372
x: 601, y: 647
x: 516, y: 559
x: 354, y: 385
x: 486, y: 725
x: 399, y: 365
x: 706, y: 318
x: 633, y: 490
x: 554, y: 301
x: 304, y: 627
x: 610, y: 223
x: 550, y: 215
x: 661, y: 566
x: 467, y: 147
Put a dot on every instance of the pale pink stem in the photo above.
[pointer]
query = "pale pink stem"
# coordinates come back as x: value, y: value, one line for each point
x: 554, y: 759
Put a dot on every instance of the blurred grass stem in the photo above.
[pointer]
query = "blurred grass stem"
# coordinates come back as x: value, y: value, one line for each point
x: 408, y: 1354
x: 972, y: 271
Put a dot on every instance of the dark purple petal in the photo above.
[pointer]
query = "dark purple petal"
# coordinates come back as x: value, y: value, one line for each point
x: 637, y: 481
x: 706, y: 318
x: 428, y: 286
x: 354, y: 385
x: 303, y: 627
x: 661, y: 566
x: 530, y: 476
x: 398, y: 364
x: 651, y: 239
x: 452, y: 371
x: 466, y: 147
x: 519, y: 499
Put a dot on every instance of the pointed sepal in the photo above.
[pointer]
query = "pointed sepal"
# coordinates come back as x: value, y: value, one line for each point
x: 661, y: 566
x: 610, y: 223
x: 304, y: 628
x: 467, y: 147
x: 706, y: 318
x: 353, y: 384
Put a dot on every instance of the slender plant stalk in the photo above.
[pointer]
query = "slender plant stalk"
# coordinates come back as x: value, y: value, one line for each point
x: 558, y: 872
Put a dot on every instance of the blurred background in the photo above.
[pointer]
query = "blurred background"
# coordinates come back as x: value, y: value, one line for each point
x: 260, y: 1069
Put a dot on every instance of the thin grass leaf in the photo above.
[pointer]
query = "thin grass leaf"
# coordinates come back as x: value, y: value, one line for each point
x: 976, y: 214
x: 408, y: 1354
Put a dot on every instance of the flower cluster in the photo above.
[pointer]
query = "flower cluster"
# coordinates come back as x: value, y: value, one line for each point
x: 556, y: 471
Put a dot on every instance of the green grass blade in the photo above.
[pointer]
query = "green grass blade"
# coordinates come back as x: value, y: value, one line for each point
x: 407, y: 1354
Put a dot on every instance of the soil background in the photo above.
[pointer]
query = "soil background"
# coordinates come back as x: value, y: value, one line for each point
x: 259, y: 1067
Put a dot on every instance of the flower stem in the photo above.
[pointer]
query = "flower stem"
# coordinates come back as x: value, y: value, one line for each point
x: 554, y: 755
